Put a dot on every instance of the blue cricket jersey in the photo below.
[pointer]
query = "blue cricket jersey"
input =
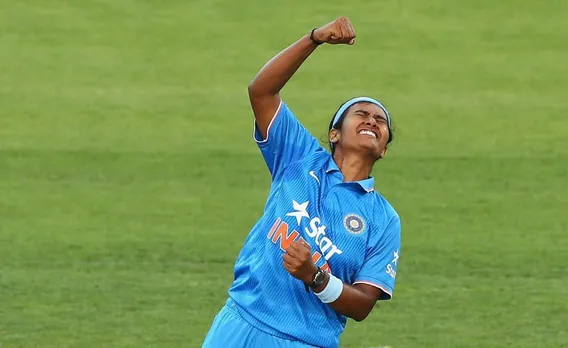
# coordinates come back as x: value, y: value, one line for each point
x: 353, y: 231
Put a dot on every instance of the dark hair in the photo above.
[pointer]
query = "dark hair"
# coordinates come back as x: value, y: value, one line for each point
x: 340, y: 124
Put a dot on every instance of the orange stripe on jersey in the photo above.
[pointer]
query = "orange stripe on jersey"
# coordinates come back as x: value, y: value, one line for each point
x: 285, y: 238
x: 273, y: 228
x: 316, y: 256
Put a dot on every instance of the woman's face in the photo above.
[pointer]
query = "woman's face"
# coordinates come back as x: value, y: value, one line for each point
x: 364, y: 129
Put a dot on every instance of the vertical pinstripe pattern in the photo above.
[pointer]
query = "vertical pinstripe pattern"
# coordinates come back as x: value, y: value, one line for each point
x: 309, y: 200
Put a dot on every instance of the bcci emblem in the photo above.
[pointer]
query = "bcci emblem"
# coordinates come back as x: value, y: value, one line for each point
x: 354, y: 224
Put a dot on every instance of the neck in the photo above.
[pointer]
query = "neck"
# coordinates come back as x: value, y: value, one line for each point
x: 353, y: 167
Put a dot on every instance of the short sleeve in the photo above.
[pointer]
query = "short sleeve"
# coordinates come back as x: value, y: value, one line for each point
x: 381, y: 261
x: 287, y: 140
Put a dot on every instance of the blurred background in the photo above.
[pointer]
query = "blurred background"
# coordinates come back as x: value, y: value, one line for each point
x: 129, y: 179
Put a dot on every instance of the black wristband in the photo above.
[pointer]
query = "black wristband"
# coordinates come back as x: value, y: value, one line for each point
x: 314, y: 40
x: 308, y: 286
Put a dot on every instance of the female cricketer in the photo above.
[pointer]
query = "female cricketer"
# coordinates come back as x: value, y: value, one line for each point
x: 327, y: 245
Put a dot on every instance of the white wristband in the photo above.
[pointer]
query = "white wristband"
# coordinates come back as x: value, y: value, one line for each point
x: 332, y: 291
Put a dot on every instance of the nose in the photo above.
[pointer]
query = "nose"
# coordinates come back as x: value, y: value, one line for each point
x: 370, y: 121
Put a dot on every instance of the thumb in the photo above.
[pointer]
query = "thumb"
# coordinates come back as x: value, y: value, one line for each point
x: 351, y: 42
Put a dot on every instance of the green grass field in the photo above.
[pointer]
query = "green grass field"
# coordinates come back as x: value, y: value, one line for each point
x: 129, y: 179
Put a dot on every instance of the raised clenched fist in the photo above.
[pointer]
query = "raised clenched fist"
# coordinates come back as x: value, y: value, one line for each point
x: 340, y: 31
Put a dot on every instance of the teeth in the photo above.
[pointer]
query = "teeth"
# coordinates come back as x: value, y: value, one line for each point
x: 368, y: 133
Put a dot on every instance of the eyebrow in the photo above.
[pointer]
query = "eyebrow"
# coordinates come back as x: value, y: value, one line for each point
x: 367, y: 113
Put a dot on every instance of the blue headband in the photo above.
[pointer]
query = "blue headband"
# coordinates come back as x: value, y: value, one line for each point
x: 349, y: 103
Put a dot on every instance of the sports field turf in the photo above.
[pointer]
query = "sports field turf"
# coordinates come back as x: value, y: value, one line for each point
x: 129, y: 179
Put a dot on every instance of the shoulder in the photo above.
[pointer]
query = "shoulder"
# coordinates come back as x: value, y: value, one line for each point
x: 385, y: 215
x: 382, y: 205
x: 314, y: 159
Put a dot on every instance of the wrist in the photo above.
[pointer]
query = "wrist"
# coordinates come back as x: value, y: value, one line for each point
x: 309, y: 279
x: 331, y: 291
x: 314, y: 38
x: 323, y: 285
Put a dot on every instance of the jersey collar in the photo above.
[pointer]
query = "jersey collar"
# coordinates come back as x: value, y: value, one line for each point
x: 367, y: 184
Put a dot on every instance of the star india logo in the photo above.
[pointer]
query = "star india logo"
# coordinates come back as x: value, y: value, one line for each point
x: 390, y: 269
x: 300, y: 211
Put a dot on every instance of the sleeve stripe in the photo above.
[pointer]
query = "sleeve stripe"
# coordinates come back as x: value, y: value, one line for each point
x: 376, y: 286
x: 269, y: 126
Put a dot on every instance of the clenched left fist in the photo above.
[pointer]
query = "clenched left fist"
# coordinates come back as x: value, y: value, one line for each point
x: 298, y: 261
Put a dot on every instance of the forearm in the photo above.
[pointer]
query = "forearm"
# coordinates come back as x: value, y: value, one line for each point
x: 276, y: 73
x: 355, y: 301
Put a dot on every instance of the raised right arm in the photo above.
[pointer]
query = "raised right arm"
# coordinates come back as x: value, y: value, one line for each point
x: 265, y: 88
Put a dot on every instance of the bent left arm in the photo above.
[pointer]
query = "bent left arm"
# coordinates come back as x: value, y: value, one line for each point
x: 356, y: 301
x: 375, y: 281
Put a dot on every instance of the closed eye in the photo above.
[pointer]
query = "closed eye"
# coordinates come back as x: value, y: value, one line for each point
x: 380, y: 119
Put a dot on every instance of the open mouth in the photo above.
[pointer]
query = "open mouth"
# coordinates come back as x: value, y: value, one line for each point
x: 368, y: 132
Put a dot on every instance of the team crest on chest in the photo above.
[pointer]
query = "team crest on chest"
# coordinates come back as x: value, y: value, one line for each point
x: 354, y: 224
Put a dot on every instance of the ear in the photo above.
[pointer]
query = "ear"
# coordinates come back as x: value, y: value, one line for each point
x: 383, y: 153
x: 333, y: 136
